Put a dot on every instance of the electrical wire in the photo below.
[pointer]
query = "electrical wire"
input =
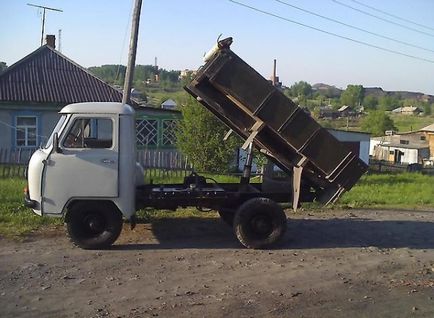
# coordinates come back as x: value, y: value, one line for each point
x: 16, y: 129
x: 392, y: 15
x: 333, y: 34
x: 354, y: 27
x: 122, y: 49
x: 383, y: 19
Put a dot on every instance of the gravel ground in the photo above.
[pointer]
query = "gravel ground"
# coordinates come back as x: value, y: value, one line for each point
x: 358, y: 263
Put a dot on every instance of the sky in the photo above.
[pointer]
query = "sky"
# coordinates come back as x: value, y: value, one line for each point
x: 179, y: 32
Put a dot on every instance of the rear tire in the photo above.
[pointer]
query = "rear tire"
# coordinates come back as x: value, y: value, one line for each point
x: 259, y: 223
x: 93, y: 225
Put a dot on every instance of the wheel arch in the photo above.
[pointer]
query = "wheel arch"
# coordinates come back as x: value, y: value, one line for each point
x: 73, y: 202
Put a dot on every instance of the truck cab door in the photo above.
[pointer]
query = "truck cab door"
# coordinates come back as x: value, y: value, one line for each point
x: 85, y: 164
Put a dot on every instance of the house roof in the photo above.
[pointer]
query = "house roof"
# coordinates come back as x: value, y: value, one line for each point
x: 349, y: 131
x: 150, y: 109
x: 47, y: 76
x: 343, y: 108
x: 429, y: 128
x: 409, y: 146
x: 406, y: 109
x: 169, y: 102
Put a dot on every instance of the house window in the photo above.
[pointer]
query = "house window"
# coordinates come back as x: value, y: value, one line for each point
x: 147, y: 132
x: 404, y: 142
x: 26, y: 131
x: 169, y: 132
x: 422, y: 137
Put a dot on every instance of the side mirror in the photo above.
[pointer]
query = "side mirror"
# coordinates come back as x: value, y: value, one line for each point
x: 56, y: 147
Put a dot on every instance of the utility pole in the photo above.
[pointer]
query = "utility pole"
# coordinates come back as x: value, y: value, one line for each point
x: 132, y: 54
x: 43, y: 17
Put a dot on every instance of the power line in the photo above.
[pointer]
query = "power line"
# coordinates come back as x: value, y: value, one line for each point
x: 392, y: 15
x: 19, y: 129
x: 331, y: 33
x: 354, y: 27
x: 383, y: 19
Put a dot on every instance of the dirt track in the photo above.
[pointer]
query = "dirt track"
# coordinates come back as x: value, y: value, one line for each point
x: 332, y: 264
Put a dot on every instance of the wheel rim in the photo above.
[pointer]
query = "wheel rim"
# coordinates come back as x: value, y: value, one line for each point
x: 261, y: 225
x: 94, y: 224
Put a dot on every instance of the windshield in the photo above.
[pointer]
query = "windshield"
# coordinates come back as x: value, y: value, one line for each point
x: 55, y: 130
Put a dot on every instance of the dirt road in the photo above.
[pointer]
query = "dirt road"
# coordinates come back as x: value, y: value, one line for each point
x: 332, y: 264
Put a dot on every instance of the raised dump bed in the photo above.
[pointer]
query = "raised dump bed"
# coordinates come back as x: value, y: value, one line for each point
x: 260, y: 113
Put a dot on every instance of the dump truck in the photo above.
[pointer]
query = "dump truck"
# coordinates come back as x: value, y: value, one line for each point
x: 87, y: 172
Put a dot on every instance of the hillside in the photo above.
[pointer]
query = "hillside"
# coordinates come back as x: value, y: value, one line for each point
x: 333, y: 91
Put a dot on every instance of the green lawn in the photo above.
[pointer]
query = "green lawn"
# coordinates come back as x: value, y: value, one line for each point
x: 406, y: 123
x: 406, y: 190
x: 15, y: 218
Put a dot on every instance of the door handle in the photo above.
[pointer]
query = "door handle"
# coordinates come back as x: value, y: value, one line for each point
x: 107, y: 161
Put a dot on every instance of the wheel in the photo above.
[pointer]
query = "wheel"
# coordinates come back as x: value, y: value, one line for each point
x: 227, y: 215
x: 93, y: 225
x: 259, y: 223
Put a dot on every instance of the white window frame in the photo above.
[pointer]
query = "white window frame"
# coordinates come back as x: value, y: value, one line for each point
x: 26, y: 128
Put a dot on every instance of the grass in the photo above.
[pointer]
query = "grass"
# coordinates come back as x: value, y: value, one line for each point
x: 405, y: 190
x: 406, y: 123
x: 400, y: 191
x: 160, y: 178
x: 15, y: 218
x: 156, y: 97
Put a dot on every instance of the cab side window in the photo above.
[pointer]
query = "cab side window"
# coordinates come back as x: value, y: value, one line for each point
x: 90, y: 133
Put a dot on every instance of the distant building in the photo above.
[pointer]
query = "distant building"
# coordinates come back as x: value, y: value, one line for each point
x: 136, y: 94
x: 34, y: 89
x: 357, y: 141
x: 327, y: 112
x: 169, y: 104
x: 407, y: 110
x: 405, y: 148
x: 187, y: 73
x: 428, y: 131
x: 37, y: 87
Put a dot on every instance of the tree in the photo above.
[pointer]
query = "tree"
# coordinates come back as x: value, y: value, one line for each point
x: 377, y: 122
x: 427, y: 108
x: 112, y: 74
x: 409, y: 102
x: 352, y: 96
x: 200, y: 137
x: 388, y: 103
x: 370, y: 102
x: 3, y: 66
x: 300, y: 89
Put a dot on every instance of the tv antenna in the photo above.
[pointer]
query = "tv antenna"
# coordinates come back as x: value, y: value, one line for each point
x: 43, y: 17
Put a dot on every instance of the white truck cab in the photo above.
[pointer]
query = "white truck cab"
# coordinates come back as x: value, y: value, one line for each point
x: 90, y: 156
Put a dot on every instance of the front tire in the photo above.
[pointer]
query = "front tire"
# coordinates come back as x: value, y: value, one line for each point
x: 259, y: 223
x: 93, y: 225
